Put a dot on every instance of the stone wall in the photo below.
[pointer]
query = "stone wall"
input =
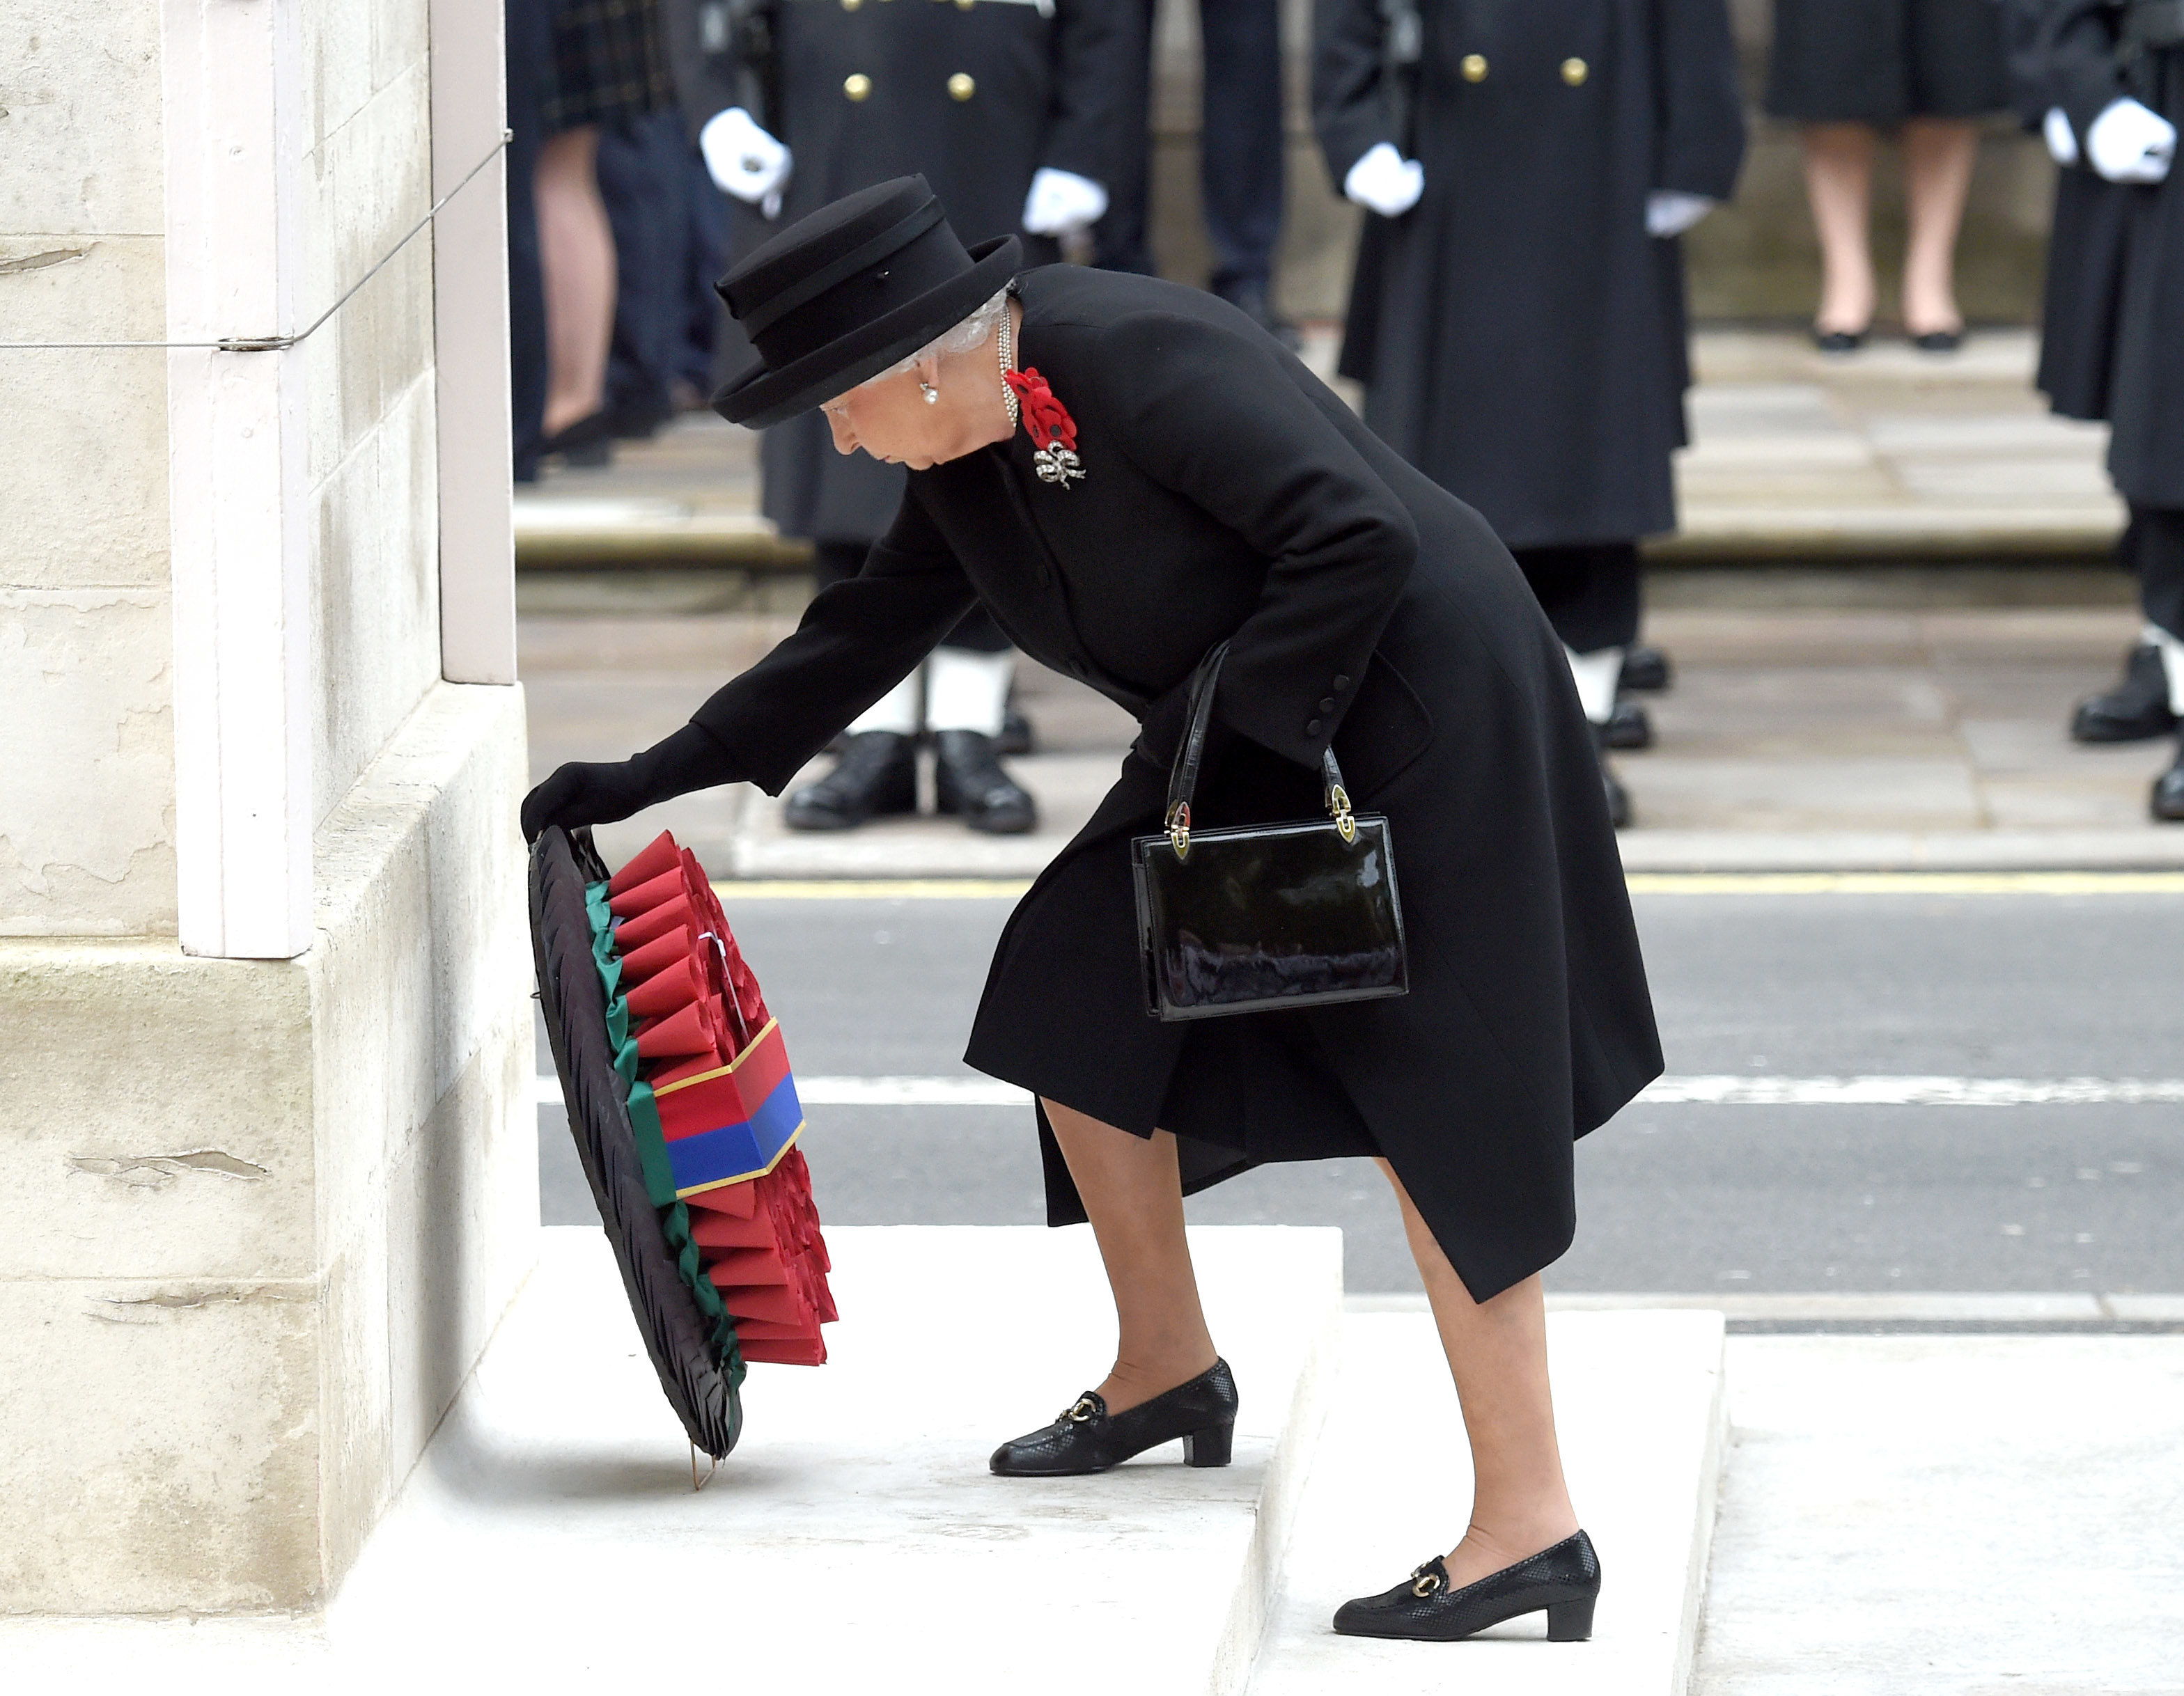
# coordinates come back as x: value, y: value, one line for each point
x: 258, y: 1217
x: 85, y: 612
x: 1754, y: 260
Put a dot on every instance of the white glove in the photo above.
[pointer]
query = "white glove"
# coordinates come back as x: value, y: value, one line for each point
x: 1384, y: 182
x: 1670, y: 211
x: 744, y: 159
x: 2130, y: 143
x: 1061, y: 201
x: 2061, y: 139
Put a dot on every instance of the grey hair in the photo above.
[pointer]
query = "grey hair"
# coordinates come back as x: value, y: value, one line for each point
x: 961, y: 338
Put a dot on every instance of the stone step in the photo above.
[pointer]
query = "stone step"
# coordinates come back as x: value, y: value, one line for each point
x: 854, y: 1541
x: 1640, y: 1405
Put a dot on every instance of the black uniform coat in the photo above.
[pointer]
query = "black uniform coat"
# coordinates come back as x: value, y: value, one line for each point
x: 2088, y: 234
x: 2146, y: 385
x: 1520, y: 336
x: 1229, y: 494
x: 976, y: 98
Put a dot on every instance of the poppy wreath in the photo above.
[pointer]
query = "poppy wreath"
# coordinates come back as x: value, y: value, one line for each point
x: 685, y: 1113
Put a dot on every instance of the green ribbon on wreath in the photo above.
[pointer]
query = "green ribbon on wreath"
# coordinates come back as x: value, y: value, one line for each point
x: 652, y: 1143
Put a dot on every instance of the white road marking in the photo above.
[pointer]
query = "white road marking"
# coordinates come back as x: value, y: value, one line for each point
x: 1727, y: 1090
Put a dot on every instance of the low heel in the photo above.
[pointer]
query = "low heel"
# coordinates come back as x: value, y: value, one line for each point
x: 1570, y: 1622
x: 1208, y: 1447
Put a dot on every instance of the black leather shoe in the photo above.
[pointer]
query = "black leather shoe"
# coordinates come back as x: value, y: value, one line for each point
x: 2134, y: 711
x: 1085, y: 1438
x: 1564, y: 1580
x: 1938, y: 340
x: 969, y: 782
x: 1629, y: 727
x: 1839, y: 340
x: 2167, y: 805
x: 877, y: 775
x: 1619, y: 799
x: 1645, y: 669
x: 1016, y: 736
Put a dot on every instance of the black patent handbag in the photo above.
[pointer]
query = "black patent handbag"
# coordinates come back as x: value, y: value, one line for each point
x: 1264, y: 916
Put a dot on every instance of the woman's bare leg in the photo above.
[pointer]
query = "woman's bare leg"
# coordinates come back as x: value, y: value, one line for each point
x: 577, y: 259
x: 1497, y: 1351
x: 1938, y: 155
x: 1133, y: 1194
x: 1839, y: 183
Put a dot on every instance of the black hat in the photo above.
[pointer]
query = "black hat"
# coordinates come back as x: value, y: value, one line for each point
x: 838, y: 297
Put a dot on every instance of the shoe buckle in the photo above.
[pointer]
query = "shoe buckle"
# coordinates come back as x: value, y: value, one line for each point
x: 1425, y: 1581
x: 1080, y: 1411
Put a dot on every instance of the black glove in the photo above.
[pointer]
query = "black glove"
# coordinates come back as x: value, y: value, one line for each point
x: 584, y: 793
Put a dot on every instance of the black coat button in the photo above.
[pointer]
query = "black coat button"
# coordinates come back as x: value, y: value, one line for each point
x: 1340, y: 681
x: 1315, y: 728
x: 1327, y: 705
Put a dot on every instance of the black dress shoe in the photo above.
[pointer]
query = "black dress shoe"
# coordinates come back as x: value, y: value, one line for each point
x: 2134, y: 711
x: 969, y: 783
x: 1628, y: 726
x: 1645, y: 670
x: 1085, y: 1438
x: 1016, y: 736
x: 1564, y: 1580
x: 877, y: 775
x: 1939, y: 341
x: 1838, y: 340
x: 2167, y: 803
x: 1619, y: 799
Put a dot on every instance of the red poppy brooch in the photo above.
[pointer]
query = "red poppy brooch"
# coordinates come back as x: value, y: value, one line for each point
x: 1053, y: 431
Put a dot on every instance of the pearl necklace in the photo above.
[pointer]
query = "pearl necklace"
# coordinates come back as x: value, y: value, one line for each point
x: 1008, y: 364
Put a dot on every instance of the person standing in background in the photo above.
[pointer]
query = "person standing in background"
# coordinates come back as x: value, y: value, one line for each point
x: 1240, y: 147
x: 1517, y: 313
x: 1009, y: 109
x: 573, y: 66
x: 1847, y: 69
x: 2109, y: 79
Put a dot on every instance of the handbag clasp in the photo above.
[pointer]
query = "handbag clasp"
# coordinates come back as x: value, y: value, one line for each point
x: 1345, y: 821
x: 1178, y: 829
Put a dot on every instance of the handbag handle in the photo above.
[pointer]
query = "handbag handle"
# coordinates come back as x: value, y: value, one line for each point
x: 1182, y: 780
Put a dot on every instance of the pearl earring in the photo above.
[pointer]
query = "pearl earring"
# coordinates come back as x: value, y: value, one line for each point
x: 932, y: 394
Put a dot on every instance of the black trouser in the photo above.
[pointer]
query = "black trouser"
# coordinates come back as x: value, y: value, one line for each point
x: 529, y: 44
x: 641, y: 166
x: 1239, y: 146
x: 1588, y: 592
x: 2153, y: 546
x: 837, y: 562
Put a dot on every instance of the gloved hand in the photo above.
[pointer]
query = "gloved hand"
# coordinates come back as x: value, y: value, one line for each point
x: 743, y: 160
x: 2061, y: 139
x: 1384, y: 182
x: 1670, y: 211
x: 2129, y: 142
x: 585, y: 793
x: 1061, y: 201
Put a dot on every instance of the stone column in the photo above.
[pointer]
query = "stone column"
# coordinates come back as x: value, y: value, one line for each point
x: 264, y: 1039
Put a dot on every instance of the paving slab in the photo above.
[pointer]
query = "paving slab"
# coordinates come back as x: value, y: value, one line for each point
x: 1640, y: 1407
x: 551, y: 1539
x: 1950, y: 1516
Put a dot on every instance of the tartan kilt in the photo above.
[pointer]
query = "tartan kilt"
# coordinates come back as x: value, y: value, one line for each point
x: 610, y: 62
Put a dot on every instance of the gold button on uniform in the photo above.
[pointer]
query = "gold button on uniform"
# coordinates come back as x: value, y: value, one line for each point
x: 1473, y: 67
x: 1574, y: 71
x: 965, y: 5
x: 857, y: 85
x: 960, y: 86
x: 851, y: 5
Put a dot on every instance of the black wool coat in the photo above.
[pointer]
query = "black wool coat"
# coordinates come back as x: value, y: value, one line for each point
x: 1037, y: 86
x: 2077, y: 55
x: 1228, y: 495
x: 1521, y: 337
